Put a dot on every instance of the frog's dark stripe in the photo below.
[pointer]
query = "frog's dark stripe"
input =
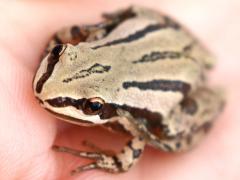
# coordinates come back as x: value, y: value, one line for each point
x: 154, y: 56
x: 141, y: 33
x: 152, y: 120
x: 109, y: 109
x: 113, y: 20
x: 132, y: 37
x: 94, y: 69
x: 171, y: 23
x: 162, y: 55
x: 118, y: 163
x: 52, y: 61
x: 163, y: 85
x: 66, y: 101
x: 142, y: 113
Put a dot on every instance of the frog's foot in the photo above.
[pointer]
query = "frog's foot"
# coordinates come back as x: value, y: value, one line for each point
x: 112, y: 163
x: 102, y: 161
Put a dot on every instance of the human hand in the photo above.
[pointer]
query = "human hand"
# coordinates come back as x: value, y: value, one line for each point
x: 27, y: 132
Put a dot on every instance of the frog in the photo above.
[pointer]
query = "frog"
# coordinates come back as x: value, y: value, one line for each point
x: 138, y: 72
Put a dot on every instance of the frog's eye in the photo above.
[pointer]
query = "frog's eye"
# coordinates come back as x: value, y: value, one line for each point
x: 93, y: 106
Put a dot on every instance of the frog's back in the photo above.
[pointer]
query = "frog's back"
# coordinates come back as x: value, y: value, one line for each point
x: 152, y: 59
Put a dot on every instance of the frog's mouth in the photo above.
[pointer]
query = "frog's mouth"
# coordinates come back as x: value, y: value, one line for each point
x: 71, y: 110
x: 70, y: 119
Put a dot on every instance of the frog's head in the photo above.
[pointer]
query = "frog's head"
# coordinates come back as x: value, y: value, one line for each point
x: 70, y: 85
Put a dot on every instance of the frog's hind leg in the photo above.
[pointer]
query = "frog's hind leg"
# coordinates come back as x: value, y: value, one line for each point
x: 120, y: 162
x: 188, y: 123
x: 192, y: 119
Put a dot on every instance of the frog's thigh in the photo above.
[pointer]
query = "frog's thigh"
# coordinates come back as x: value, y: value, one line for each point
x: 112, y: 163
x: 189, y: 122
x: 183, y: 143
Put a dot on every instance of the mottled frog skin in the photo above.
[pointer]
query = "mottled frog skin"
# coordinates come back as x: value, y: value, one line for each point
x: 137, y: 72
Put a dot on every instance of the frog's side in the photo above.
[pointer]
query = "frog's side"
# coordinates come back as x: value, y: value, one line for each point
x: 138, y: 72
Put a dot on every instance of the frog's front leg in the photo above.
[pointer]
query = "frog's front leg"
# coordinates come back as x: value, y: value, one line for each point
x: 112, y: 163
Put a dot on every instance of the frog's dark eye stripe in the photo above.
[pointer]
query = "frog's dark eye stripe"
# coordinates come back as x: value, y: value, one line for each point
x: 163, y: 85
x: 52, y: 61
x: 92, y: 106
x: 58, y: 50
x: 97, y: 106
x: 66, y: 101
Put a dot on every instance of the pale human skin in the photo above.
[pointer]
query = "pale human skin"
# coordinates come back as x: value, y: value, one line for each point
x: 27, y: 132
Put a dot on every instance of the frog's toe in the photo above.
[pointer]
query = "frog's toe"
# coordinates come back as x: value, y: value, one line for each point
x: 89, y: 155
x: 84, y: 168
x: 110, y: 162
x: 103, y: 162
